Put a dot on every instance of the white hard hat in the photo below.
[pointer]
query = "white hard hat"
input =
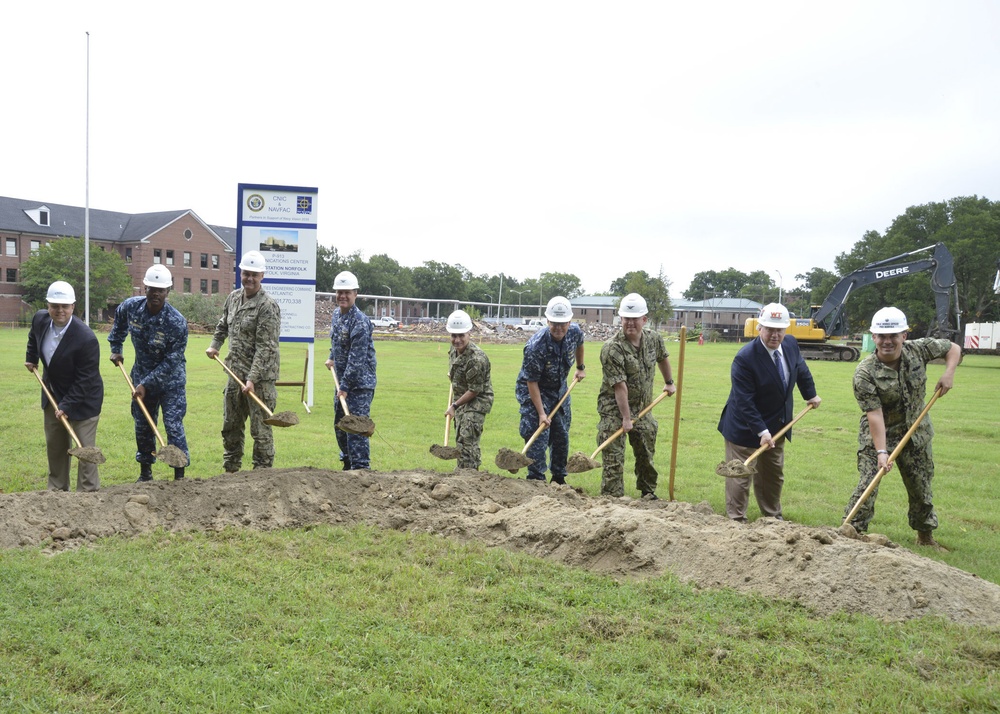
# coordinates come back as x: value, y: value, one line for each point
x: 61, y: 293
x: 253, y: 262
x: 774, y: 315
x: 459, y: 322
x: 158, y: 277
x: 558, y: 310
x: 888, y: 321
x: 345, y: 280
x: 632, y: 305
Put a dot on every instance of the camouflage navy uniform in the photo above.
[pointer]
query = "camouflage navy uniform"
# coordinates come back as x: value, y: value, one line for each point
x: 470, y: 371
x: 353, y: 353
x: 621, y: 362
x: 253, y: 326
x: 160, y: 367
x: 547, y: 362
x: 900, y: 395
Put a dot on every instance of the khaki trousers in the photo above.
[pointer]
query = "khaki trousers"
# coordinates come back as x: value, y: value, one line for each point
x: 57, y: 445
x: 767, y: 481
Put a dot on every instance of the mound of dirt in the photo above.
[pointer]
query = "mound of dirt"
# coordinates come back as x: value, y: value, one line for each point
x: 817, y: 567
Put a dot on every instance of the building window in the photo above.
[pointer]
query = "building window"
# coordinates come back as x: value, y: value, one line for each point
x: 11, y: 275
x: 35, y: 246
x: 188, y: 234
x: 187, y: 285
x: 11, y: 246
x: 215, y: 262
x: 170, y: 257
x: 204, y: 260
x: 204, y: 286
x: 128, y: 256
x: 43, y: 218
x: 157, y: 256
x: 215, y: 287
x: 187, y: 259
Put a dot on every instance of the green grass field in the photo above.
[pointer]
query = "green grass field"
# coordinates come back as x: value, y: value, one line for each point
x: 328, y: 619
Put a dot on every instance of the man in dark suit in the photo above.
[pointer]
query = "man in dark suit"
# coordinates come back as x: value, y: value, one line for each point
x: 71, y: 355
x: 760, y: 404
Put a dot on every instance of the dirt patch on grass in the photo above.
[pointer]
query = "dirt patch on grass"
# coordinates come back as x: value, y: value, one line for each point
x: 817, y: 567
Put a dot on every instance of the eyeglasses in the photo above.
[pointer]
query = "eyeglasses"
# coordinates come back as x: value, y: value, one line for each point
x: 59, y: 306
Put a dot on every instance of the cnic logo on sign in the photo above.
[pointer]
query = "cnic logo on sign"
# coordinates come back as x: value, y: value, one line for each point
x: 255, y: 202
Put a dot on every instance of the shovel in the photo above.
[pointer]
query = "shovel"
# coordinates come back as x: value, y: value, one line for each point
x: 351, y: 423
x: 168, y: 453
x: 512, y: 460
x: 281, y: 419
x: 892, y: 458
x: 743, y: 469
x: 447, y: 452
x: 580, y: 462
x: 90, y: 454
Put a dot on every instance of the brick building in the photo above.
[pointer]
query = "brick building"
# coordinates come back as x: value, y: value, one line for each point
x: 200, y: 257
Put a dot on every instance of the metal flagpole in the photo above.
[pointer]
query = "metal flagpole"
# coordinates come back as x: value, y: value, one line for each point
x: 86, y: 204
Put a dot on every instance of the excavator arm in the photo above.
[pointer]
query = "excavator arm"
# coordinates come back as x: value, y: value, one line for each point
x: 830, y: 315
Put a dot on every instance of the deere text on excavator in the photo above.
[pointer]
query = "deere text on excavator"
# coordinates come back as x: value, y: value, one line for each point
x: 828, y: 320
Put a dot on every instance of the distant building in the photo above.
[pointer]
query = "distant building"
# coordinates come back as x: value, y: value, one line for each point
x: 724, y: 316
x: 200, y: 257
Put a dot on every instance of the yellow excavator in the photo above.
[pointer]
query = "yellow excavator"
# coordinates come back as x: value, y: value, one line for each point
x: 814, y: 334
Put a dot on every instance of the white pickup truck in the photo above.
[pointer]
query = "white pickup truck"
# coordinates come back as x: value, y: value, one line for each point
x: 530, y: 326
x: 385, y: 321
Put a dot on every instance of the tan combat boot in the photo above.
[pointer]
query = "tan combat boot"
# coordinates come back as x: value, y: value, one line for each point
x: 927, y: 538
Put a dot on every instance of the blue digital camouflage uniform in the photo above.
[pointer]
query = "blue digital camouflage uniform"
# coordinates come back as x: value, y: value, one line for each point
x: 900, y: 395
x: 548, y: 363
x: 470, y: 371
x: 253, y: 326
x: 160, y: 367
x: 621, y: 362
x: 353, y: 353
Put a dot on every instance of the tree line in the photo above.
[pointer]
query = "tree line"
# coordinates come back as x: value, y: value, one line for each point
x: 968, y: 226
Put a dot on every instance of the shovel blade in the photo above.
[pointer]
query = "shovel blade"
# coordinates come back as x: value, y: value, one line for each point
x: 172, y: 456
x: 511, y: 460
x: 734, y: 469
x: 282, y: 419
x: 89, y: 454
x: 356, y: 424
x: 448, y: 453
x: 579, y: 462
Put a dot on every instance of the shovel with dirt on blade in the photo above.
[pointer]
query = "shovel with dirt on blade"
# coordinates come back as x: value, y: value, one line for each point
x: 279, y: 419
x: 351, y: 423
x: 743, y: 469
x: 512, y: 460
x: 168, y: 453
x: 446, y: 452
x: 90, y: 454
x: 580, y: 462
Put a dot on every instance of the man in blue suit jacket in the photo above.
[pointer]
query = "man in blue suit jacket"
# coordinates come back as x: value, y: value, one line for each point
x: 69, y: 350
x: 760, y: 404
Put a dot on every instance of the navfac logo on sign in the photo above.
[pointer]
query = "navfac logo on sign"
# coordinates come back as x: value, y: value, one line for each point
x: 303, y: 205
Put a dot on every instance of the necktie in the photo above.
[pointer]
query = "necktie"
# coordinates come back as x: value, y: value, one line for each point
x: 780, y: 366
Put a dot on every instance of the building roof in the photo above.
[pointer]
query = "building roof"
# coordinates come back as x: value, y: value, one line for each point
x: 112, y: 226
x: 712, y: 305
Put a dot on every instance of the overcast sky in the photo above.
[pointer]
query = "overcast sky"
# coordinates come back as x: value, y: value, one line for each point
x: 518, y: 137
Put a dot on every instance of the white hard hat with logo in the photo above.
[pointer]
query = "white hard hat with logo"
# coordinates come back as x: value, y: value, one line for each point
x: 774, y: 315
x: 253, y: 262
x: 61, y: 293
x: 459, y: 322
x: 889, y: 321
x: 345, y: 280
x: 158, y: 276
x: 632, y: 305
x: 558, y: 310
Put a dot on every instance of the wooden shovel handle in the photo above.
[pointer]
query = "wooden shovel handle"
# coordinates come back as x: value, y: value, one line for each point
x: 621, y: 430
x: 447, y: 416
x: 781, y: 433
x: 336, y: 385
x: 243, y: 384
x: 542, y: 427
x: 892, y: 457
x: 55, y: 406
x: 142, y: 406
x: 679, y: 378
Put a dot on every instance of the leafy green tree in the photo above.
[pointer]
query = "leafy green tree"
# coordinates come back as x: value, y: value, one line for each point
x: 620, y: 287
x: 656, y: 292
x: 731, y: 282
x: 565, y: 284
x: 436, y: 280
x: 328, y: 264
x: 63, y: 260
